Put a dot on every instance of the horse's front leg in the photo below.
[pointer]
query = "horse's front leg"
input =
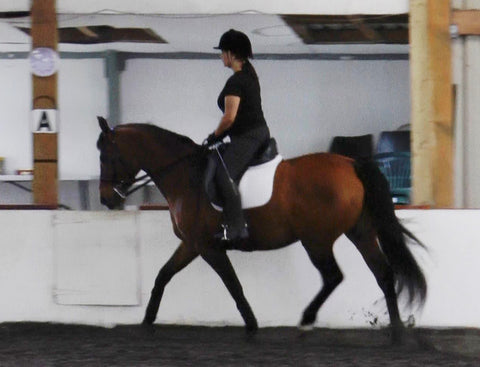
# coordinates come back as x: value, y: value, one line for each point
x: 220, y: 262
x: 182, y: 256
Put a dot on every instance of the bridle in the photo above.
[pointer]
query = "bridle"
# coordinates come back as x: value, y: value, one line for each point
x: 120, y: 186
x: 120, y: 191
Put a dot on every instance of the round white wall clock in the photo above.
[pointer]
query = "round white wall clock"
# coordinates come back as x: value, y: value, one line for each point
x: 44, y: 61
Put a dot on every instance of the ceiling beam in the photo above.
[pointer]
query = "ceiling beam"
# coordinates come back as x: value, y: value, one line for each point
x: 359, y: 29
x: 364, y: 28
x: 467, y: 21
x: 87, y: 32
x: 14, y: 14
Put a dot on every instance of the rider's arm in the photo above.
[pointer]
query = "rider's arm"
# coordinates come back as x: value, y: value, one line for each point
x: 231, y: 108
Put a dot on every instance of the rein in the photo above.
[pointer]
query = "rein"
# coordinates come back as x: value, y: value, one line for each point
x: 120, y: 192
x: 119, y: 189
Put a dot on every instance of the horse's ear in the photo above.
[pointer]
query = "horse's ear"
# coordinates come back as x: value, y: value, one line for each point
x: 104, y: 125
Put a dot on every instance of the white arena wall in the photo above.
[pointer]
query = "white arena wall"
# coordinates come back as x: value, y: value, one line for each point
x: 98, y: 268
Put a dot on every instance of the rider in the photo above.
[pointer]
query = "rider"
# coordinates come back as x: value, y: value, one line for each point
x: 243, y: 122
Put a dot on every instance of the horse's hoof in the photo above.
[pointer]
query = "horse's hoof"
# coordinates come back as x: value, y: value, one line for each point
x: 307, y: 322
x: 305, y: 328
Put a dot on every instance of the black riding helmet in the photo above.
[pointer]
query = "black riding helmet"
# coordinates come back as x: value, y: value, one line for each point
x: 236, y: 42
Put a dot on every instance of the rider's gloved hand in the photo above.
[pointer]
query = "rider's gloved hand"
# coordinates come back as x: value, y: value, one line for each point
x: 211, y: 139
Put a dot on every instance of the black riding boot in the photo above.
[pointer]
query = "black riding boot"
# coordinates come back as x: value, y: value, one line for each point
x: 234, y: 225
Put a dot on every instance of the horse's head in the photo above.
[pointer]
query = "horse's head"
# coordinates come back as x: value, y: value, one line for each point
x: 117, y: 168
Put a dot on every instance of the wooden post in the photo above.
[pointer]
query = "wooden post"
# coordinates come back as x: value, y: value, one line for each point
x: 442, y: 100
x: 45, y: 156
x: 431, y: 96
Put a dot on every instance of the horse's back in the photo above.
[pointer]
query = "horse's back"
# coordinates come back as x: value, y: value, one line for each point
x: 322, y: 169
x: 321, y: 158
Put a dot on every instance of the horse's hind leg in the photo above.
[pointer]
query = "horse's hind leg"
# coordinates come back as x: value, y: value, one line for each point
x: 220, y: 262
x: 182, y: 256
x: 323, y: 259
x: 368, y: 247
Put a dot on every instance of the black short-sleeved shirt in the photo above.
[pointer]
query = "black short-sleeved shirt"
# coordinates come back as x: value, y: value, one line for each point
x: 250, y: 114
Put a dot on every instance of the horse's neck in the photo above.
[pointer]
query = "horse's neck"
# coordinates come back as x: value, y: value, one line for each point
x: 174, y: 174
x: 180, y: 184
x: 153, y: 155
x: 167, y: 158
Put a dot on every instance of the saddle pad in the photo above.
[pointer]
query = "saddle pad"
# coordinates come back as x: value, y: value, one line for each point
x: 256, y: 184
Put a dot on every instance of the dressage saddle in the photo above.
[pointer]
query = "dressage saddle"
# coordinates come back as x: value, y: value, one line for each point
x: 266, y: 153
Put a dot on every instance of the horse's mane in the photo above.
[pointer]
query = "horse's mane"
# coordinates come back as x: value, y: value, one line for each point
x: 159, y: 134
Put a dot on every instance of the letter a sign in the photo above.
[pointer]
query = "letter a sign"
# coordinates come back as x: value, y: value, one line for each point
x: 44, y: 121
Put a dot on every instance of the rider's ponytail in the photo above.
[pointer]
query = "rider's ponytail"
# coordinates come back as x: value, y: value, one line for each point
x: 248, y: 67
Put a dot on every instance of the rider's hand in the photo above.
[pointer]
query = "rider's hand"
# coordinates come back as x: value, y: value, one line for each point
x: 211, y: 139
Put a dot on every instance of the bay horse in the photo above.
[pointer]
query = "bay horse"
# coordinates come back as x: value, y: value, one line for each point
x: 316, y: 198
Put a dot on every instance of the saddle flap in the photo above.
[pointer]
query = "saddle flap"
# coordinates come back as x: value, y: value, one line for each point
x: 209, y: 178
x: 256, y: 184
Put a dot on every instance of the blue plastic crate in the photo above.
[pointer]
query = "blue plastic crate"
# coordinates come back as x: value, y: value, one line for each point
x: 396, y: 167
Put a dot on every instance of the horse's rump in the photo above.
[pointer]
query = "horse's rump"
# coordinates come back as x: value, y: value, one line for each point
x: 328, y: 180
x: 316, y: 196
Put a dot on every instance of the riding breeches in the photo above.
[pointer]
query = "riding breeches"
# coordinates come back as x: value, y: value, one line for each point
x: 240, y: 152
x: 236, y: 157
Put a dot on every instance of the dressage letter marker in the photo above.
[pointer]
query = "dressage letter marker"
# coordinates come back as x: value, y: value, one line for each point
x: 44, y: 121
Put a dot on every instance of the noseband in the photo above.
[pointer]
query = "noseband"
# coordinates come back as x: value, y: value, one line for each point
x: 120, y: 186
x: 120, y: 191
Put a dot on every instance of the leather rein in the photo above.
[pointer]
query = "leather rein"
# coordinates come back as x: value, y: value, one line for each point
x: 120, y: 187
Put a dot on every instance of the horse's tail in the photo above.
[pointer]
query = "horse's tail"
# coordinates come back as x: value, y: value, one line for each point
x: 391, y: 233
